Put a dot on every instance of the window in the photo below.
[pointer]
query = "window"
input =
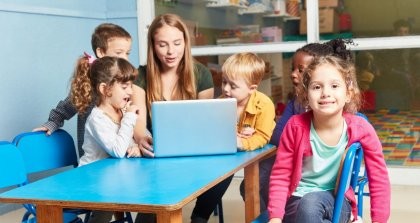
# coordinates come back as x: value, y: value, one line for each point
x: 224, y: 27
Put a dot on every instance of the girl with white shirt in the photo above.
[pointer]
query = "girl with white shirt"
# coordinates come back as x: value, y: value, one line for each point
x: 109, y: 128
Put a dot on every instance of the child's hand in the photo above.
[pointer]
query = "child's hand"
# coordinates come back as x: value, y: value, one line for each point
x: 275, y: 220
x: 42, y: 129
x: 238, y: 142
x: 246, y: 132
x: 131, y: 108
x: 133, y: 151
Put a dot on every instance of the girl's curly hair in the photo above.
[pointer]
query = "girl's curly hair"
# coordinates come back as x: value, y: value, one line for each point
x: 87, y: 78
x: 346, y: 68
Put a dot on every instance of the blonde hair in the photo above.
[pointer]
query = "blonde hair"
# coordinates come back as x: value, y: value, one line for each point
x: 87, y: 78
x: 186, y: 85
x: 346, y: 68
x: 248, y: 66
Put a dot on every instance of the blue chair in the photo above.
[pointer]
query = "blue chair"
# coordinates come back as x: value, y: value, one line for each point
x: 45, y: 153
x: 348, y: 176
x: 12, y: 167
x: 14, y: 174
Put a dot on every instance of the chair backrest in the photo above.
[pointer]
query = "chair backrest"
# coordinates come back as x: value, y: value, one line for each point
x: 348, y: 176
x: 12, y: 167
x: 41, y: 152
x: 348, y: 172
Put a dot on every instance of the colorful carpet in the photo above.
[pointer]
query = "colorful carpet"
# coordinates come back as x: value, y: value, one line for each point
x: 399, y: 132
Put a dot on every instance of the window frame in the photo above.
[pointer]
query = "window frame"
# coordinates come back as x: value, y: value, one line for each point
x: 146, y: 13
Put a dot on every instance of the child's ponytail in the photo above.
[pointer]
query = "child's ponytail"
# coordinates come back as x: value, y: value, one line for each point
x: 81, y: 88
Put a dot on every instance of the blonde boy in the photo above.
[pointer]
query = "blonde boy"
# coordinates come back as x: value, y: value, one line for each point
x: 242, y: 73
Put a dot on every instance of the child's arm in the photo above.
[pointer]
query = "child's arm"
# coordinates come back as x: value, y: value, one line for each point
x: 65, y: 110
x: 263, y: 126
x: 379, y: 184
x: 133, y: 151
x: 282, y: 171
x: 114, y: 143
x: 275, y: 220
x: 288, y: 112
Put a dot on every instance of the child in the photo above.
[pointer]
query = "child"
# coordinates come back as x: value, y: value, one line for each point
x: 242, y: 73
x: 312, y: 144
x: 365, y: 70
x: 301, y: 59
x: 110, y: 125
x: 107, y: 40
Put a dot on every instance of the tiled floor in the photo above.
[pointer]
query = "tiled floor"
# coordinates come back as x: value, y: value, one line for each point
x: 405, y: 206
x: 399, y: 132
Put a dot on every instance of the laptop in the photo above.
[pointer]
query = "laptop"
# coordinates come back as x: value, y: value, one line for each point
x: 194, y: 127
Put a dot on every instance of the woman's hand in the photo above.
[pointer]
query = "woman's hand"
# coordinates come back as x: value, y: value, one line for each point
x: 145, y: 145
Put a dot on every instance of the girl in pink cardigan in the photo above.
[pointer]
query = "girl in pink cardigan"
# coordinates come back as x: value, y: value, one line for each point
x: 312, y: 144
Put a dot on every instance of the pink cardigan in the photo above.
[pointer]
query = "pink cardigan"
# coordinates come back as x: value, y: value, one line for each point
x: 294, y: 145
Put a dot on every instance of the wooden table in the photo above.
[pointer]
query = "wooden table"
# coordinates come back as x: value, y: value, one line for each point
x: 161, y: 185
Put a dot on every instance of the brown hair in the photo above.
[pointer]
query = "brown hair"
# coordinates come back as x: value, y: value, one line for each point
x: 348, y: 72
x: 87, y: 78
x: 104, y: 33
x: 248, y: 66
x: 186, y: 85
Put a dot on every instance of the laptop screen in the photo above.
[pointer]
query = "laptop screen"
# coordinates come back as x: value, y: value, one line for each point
x: 194, y: 127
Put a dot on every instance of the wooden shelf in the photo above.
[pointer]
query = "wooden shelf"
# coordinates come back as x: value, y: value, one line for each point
x: 285, y: 16
x: 248, y: 11
x: 210, y: 4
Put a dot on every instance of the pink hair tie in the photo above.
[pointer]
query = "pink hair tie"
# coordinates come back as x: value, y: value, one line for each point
x: 90, y: 58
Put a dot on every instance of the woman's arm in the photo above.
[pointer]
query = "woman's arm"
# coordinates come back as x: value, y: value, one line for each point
x: 206, y: 94
x: 205, y: 86
x: 139, y: 99
x: 141, y: 135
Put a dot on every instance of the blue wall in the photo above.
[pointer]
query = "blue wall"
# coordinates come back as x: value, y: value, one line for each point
x: 40, y: 42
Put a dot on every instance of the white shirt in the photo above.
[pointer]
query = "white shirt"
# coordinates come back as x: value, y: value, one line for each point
x: 104, y: 138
